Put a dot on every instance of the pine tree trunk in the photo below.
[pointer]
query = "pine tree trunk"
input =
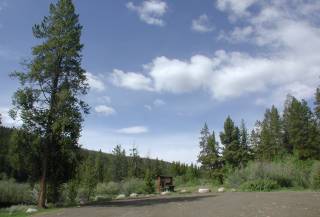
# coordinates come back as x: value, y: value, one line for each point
x: 43, y: 185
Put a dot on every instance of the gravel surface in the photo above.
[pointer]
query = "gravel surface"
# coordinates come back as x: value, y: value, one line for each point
x: 231, y: 204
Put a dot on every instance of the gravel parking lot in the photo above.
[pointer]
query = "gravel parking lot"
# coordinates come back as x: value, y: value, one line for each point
x: 231, y: 204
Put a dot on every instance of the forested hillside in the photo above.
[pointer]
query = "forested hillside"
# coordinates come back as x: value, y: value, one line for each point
x: 116, y: 166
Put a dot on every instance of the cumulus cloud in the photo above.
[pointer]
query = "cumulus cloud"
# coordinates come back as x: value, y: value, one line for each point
x: 238, y: 8
x: 202, y: 24
x: 288, y: 60
x: 150, y: 11
x: 105, y: 110
x: 95, y: 82
x: 131, y: 80
x: 133, y: 130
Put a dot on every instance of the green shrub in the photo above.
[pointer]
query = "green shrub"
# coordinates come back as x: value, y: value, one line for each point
x: 286, y: 173
x: 69, y: 192
x: 149, y: 183
x: 111, y: 188
x: 133, y: 185
x: 14, y: 193
x: 315, y: 175
x: 259, y: 185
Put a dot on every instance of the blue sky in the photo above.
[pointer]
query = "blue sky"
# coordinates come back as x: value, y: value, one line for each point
x: 159, y: 69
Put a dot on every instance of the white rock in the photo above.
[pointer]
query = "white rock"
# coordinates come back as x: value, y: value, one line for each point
x: 121, y: 196
x: 203, y: 190
x: 233, y: 190
x: 183, y: 191
x: 31, y: 210
x: 134, y: 195
x: 82, y: 201
x: 165, y: 193
x: 221, y: 189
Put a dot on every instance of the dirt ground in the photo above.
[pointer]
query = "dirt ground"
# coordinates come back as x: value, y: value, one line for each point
x: 231, y: 204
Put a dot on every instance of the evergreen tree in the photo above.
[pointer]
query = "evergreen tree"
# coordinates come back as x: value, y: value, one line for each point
x: 99, y: 166
x: 49, y: 99
x: 204, y: 137
x: 149, y: 182
x: 89, y: 179
x: 158, y: 170
x: 209, y: 153
x: 301, y: 130
x: 317, y: 105
x: 255, y: 139
x: 230, y: 138
x: 135, y: 163
x: 271, y: 145
x: 120, y: 164
x: 244, y: 143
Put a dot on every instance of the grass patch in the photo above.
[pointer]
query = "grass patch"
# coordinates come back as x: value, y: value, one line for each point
x: 20, y: 211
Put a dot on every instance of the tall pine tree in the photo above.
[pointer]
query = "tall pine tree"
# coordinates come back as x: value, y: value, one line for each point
x: 302, y: 133
x: 119, y: 164
x: 230, y: 138
x: 49, y: 99
x: 271, y: 145
x: 244, y: 143
x: 209, y: 153
x: 317, y: 105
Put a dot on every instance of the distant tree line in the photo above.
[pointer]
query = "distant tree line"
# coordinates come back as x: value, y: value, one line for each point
x: 296, y: 132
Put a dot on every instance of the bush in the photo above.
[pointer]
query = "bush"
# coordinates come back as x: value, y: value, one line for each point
x: 315, y: 176
x: 149, y: 183
x: 111, y: 188
x: 133, y: 186
x: 259, y: 185
x: 287, y: 173
x: 14, y: 193
x: 69, y: 192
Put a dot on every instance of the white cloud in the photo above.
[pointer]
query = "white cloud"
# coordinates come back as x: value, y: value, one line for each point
x: 288, y: 60
x: 148, y: 107
x: 237, y: 7
x: 239, y: 34
x: 131, y: 80
x: 133, y: 130
x: 202, y: 24
x: 95, y: 82
x: 150, y: 11
x: 159, y: 102
x: 105, y: 110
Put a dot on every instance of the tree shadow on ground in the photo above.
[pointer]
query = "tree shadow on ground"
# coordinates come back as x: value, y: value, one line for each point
x: 152, y: 201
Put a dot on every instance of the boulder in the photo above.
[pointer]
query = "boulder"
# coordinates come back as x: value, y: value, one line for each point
x: 165, y: 193
x: 221, y: 189
x: 121, y: 196
x: 233, y: 190
x: 183, y: 191
x: 133, y: 195
x: 203, y: 190
x: 31, y: 210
